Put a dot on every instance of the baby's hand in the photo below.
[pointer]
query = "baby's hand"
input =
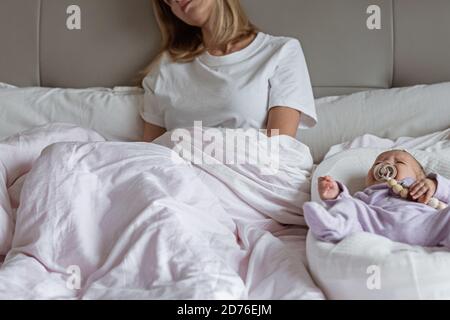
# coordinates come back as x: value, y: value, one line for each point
x: 328, y: 188
x: 423, y: 190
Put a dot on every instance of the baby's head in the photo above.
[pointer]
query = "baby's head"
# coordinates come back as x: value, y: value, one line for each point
x: 407, y: 166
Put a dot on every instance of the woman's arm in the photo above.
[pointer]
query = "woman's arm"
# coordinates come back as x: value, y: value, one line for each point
x: 284, y: 119
x: 151, y: 132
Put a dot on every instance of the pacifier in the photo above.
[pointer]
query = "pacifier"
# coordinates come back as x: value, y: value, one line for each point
x: 384, y: 172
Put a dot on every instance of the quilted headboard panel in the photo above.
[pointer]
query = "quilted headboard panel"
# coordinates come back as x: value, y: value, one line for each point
x: 118, y: 38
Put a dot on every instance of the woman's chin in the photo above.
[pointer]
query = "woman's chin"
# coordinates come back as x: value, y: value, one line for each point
x: 195, y: 21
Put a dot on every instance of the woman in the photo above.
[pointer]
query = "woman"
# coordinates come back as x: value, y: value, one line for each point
x: 126, y: 222
x: 215, y: 67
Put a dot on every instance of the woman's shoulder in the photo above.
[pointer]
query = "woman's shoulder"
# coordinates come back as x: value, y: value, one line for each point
x: 283, y: 42
x: 159, y: 66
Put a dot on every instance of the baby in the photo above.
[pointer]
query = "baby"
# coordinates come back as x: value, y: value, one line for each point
x: 379, y: 210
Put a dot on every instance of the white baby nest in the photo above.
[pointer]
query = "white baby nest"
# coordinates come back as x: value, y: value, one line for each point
x: 368, y: 266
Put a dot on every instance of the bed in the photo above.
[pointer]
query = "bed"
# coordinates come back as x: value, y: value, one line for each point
x: 50, y: 109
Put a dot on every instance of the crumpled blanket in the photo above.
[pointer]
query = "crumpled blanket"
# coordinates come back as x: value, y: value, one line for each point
x: 84, y: 218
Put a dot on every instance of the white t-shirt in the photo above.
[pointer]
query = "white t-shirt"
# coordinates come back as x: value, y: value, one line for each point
x: 231, y: 91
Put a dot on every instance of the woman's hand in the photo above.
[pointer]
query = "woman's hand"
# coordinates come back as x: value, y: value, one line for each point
x: 423, y: 190
x: 283, y: 119
x: 328, y: 188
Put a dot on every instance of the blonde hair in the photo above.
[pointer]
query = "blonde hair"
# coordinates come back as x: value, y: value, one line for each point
x: 184, y: 43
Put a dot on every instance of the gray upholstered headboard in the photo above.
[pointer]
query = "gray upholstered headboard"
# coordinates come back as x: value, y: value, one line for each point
x: 119, y: 37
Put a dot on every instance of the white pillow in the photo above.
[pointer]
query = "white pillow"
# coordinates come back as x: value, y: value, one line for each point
x: 342, y: 270
x: 5, y: 85
x: 114, y: 113
x: 388, y: 113
x: 366, y: 266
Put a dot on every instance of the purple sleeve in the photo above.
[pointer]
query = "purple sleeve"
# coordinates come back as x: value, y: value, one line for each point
x: 344, y: 194
x: 443, y: 188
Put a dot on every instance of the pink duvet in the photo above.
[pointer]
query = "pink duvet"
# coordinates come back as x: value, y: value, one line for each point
x: 82, y: 218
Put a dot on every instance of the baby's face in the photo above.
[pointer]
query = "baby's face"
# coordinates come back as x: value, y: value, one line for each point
x: 406, y: 165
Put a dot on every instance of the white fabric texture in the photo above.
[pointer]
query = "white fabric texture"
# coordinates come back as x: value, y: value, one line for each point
x: 433, y: 143
x: 389, y: 113
x: 231, y: 91
x: 142, y: 223
x: 6, y: 85
x: 17, y: 154
x: 344, y: 270
x: 112, y: 112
